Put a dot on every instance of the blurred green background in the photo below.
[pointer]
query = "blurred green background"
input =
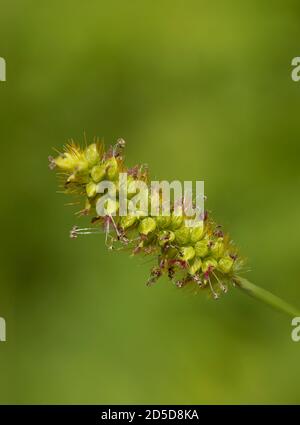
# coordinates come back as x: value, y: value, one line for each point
x: 199, y: 90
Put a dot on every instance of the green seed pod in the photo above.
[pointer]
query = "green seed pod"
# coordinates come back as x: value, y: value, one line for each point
x: 91, y: 189
x: 172, y: 253
x: 163, y: 221
x: 195, y: 266
x: 127, y: 221
x: 218, y: 248
x: 112, y: 168
x: 182, y: 235
x: 201, y: 248
x: 91, y: 154
x: 209, y: 263
x: 225, y: 264
x: 196, y: 233
x: 187, y: 253
x: 176, y: 221
x: 147, y: 225
x: 98, y: 172
x: 165, y: 236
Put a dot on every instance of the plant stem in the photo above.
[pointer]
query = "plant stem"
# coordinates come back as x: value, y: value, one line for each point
x: 266, y: 297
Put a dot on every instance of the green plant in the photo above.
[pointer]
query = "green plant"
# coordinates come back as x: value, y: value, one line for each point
x: 203, y: 256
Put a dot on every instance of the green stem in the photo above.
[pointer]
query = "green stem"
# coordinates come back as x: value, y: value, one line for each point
x: 266, y: 297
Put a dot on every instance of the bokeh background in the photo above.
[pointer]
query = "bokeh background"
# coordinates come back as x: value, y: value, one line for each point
x: 199, y: 90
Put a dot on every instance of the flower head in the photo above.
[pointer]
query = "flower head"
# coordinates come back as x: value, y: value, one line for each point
x: 202, y: 256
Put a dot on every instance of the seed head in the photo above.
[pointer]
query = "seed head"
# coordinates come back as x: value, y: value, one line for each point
x: 203, y: 257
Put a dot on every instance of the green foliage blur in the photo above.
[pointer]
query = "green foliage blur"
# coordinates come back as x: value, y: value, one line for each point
x: 199, y: 90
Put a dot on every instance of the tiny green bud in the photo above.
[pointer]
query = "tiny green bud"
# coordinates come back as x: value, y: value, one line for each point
x: 196, y: 233
x: 187, y: 253
x: 176, y: 221
x: 112, y: 168
x: 98, y: 173
x: 195, y: 266
x: 218, y: 248
x: 165, y: 236
x: 209, y: 263
x: 182, y: 235
x: 225, y: 264
x: 147, y: 225
x: 201, y: 248
x: 127, y: 221
x: 91, y: 189
x: 91, y: 154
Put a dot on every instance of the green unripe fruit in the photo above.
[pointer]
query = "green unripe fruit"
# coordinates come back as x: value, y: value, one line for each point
x: 218, y: 248
x: 182, y: 235
x: 225, y: 264
x: 195, y: 266
x: 208, y: 264
x: 165, y: 236
x: 91, y: 189
x: 196, y: 233
x: 163, y: 221
x: 201, y: 248
x: 98, y: 172
x: 91, y: 154
x: 172, y: 252
x: 176, y: 221
x: 112, y: 168
x: 187, y: 253
x: 147, y: 225
x: 127, y: 221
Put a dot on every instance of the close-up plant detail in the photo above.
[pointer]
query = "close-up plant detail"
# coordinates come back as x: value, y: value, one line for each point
x: 152, y: 151
x: 202, y: 257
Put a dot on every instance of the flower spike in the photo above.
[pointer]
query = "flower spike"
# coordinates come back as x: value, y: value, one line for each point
x: 203, y: 257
